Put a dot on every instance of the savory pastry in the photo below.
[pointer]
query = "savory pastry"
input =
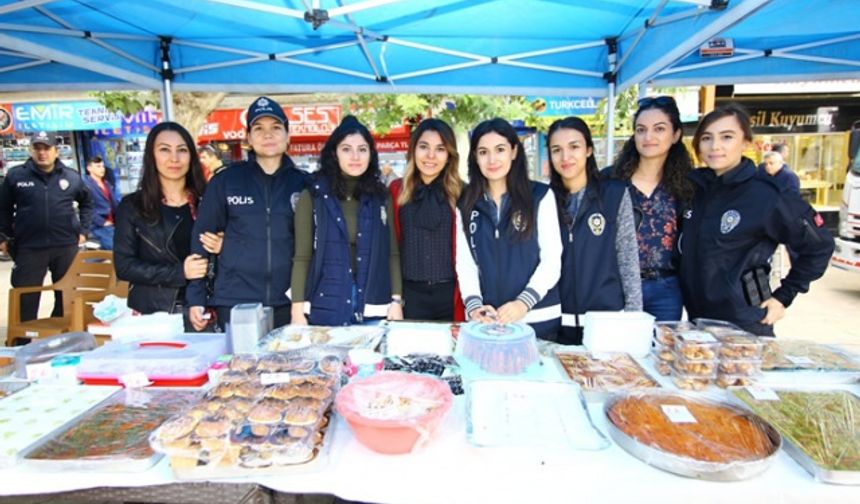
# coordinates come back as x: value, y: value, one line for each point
x: 266, y: 411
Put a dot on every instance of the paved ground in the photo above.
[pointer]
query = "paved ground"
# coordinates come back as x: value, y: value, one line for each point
x: 829, y: 312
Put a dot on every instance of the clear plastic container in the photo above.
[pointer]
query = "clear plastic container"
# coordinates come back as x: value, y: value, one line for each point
x: 692, y: 381
x: 696, y: 345
x: 666, y: 331
x: 741, y: 367
x: 499, y: 349
x: 740, y: 345
x: 716, y: 327
x: 44, y: 349
x: 695, y: 367
x: 726, y: 380
x: 179, y: 361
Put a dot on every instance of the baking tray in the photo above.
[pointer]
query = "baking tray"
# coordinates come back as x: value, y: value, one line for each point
x: 367, y: 337
x: 121, y: 460
x: 832, y: 476
x: 319, y: 462
x: 684, y: 466
x: 9, y: 388
x: 598, y: 394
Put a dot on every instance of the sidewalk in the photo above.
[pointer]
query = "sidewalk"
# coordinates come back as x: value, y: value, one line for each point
x: 828, y: 313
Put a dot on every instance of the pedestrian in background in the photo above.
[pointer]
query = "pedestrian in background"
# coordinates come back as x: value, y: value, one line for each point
x: 508, y: 244
x: 655, y: 163
x: 737, y: 218
x: 210, y: 160
x: 347, y: 264
x: 39, y: 224
x: 774, y: 165
x: 424, y: 201
x: 104, y: 203
x: 600, y: 259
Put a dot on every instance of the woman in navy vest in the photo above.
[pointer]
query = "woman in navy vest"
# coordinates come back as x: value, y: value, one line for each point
x: 508, y: 245
x: 425, y: 221
x: 655, y: 163
x: 600, y: 262
x: 738, y: 216
x: 346, y: 267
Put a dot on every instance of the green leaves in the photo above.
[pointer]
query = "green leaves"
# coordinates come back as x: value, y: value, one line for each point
x: 127, y: 102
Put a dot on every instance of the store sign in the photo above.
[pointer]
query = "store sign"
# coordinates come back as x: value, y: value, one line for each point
x: 305, y: 121
x: 563, y: 105
x: 64, y: 116
x: 5, y: 118
x: 822, y: 119
x: 135, y: 124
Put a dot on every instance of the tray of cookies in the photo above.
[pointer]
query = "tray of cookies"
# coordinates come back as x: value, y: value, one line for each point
x: 269, y: 414
x: 599, y: 374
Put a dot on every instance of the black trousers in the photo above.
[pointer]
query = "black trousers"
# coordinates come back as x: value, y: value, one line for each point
x: 31, y: 264
x: 428, y: 301
x: 282, y: 315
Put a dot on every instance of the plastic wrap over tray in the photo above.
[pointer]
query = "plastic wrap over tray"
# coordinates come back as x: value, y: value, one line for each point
x: 691, y: 436
x: 821, y: 429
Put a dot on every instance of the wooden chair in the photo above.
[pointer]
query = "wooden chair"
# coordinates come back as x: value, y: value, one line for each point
x: 92, y: 271
x: 82, y: 308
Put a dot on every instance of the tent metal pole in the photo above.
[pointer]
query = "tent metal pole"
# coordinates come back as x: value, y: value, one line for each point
x: 815, y: 59
x: 747, y: 55
x: 554, y: 50
x: 23, y: 4
x: 549, y: 68
x: 723, y: 22
x: 611, y: 76
x: 166, y: 78
x: 431, y: 71
x: 819, y: 43
x: 21, y: 66
x: 642, y: 32
x: 349, y: 9
x: 643, y: 90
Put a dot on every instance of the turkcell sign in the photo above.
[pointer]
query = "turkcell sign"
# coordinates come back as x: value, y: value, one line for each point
x: 64, y: 116
x: 563, y: 105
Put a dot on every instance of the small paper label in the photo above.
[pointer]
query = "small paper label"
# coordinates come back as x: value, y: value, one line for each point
x: 273, y: 378
x: 762, y: 393
x: 135, y: 380
x: 31, y: 334
x: 799, y: 360
x: 678, y: 413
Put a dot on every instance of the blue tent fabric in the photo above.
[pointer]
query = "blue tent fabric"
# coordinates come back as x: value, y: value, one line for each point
x: 573, y: 47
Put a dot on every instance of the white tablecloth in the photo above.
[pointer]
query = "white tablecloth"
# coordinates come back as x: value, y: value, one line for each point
x: 449, y: 469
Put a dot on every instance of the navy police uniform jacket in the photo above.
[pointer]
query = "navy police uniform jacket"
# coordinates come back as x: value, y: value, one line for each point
x: 590, y: 279
x: 255, y: 211
x: 729, y: 235
x: 337, y: 293
x: 37, y: 208
x: 507, y: 263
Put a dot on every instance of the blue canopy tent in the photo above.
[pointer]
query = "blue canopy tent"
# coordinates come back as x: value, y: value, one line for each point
x: 545, y: 47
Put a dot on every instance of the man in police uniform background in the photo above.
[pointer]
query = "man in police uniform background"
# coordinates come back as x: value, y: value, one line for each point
x: 39, y: 224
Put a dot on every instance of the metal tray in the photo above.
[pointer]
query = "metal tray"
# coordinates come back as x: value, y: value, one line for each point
x: 9, y: 388
x: 832, y: 476
x: 115, y: 463
x: 685, y: 466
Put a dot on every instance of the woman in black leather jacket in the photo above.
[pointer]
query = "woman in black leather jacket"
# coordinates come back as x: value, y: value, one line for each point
x: 153, y: 225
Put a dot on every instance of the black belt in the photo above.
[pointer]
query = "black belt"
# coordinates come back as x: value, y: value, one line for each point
x: 429, y: 282
x: 653, y: 274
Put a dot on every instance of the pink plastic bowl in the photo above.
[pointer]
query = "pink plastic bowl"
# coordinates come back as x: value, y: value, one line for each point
x: 394, y: 436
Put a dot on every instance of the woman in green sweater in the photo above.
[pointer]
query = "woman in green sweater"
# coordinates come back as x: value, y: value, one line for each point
x: 346, y: 267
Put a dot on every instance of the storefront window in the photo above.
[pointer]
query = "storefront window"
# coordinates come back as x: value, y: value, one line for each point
x: 818, y: 159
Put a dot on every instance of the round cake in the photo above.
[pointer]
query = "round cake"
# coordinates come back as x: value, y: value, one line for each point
x: 498, y: 349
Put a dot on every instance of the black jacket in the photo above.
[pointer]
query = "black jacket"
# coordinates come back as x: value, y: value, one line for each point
x: 255, y: 211
x: 37, y: 208
x: 735, y: 223
x: 145, y: 256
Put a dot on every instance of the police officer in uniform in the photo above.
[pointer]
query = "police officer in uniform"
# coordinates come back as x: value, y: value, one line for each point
x: 252, y: 203
x: 39, y: 224
x: 738, y: 217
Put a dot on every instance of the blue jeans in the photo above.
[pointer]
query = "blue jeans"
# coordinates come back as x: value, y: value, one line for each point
x: 105, y: 237
x: 661, y: 297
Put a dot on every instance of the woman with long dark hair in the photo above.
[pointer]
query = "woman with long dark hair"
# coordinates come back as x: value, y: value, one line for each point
x: 152, y: 245
x: 424, y: 219
x: 346, y: 268
x: 508, y: 245
x: 738, y: 216
x: 600, y: 260
x: 655, y: 163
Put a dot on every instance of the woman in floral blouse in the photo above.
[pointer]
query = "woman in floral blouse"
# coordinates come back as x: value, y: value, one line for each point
x: 655, y: 163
